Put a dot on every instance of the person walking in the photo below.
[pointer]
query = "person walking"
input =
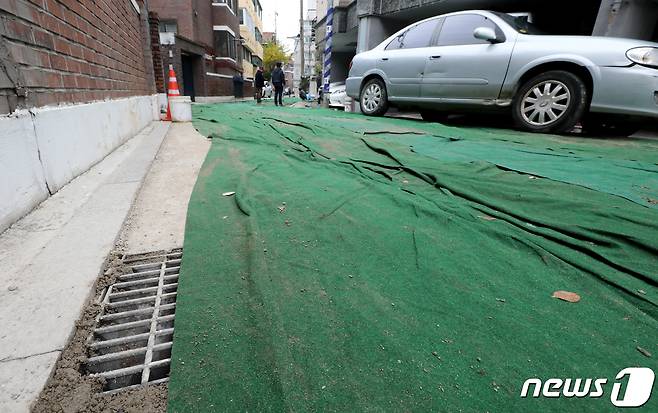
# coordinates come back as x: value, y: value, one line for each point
x: 259, y: 83
x: 278, y: 80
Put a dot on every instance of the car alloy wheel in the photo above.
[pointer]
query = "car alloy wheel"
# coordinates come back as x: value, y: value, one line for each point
x: 546, y: 103
x: 374, y: 100
x: 551, y: 102
x: 372, y: 97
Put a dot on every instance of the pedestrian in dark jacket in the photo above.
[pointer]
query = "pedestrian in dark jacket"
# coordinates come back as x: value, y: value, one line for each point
x: 278, y: 80
x: 259, y: 83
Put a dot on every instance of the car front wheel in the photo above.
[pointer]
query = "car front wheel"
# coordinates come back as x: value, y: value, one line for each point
x: 552, y: 102
x: 374, y: 99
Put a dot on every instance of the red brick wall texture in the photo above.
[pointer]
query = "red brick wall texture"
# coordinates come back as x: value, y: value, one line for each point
x: 55, y: 51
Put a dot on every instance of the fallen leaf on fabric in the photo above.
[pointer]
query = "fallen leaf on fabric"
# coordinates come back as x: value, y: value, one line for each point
x: 487, y: 217
x: 643, y: 351
x: 228, y: 194
x: 502, y: 300
x: 566, y: 296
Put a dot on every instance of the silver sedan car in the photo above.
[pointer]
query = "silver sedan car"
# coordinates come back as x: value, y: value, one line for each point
x: 489, y: 61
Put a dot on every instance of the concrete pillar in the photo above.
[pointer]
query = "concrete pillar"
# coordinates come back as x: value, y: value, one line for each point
x: 634, y: 19
x: 372, y: 31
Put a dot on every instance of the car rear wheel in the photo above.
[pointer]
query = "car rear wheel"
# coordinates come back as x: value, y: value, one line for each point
x: 552, y: 102
x: 374, y: 99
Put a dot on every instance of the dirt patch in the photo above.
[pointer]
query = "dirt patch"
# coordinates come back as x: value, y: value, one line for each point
x: 69, y: 390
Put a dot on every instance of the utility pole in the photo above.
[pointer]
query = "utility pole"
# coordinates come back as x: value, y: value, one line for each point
x: 276, y: 26
x: 301, y: 41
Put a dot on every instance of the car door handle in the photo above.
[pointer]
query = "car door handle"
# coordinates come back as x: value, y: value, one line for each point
x: 435, y: 57
x: 384, y: 58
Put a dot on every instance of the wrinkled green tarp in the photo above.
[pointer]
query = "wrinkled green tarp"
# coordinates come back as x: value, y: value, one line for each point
x: 391, y: 265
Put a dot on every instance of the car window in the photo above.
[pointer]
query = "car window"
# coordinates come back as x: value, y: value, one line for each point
x: 520, y: 24
x: 458, y: 30
x: 417, y: 36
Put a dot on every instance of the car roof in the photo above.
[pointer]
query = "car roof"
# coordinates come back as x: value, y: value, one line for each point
x: 486, y: 13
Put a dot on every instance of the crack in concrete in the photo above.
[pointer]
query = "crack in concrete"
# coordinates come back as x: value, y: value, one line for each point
x: 36, y: 139
x: 7, y: 359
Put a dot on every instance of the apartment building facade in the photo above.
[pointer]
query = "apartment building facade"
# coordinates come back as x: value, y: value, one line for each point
x: 251, y: 36
x: 201, y: 40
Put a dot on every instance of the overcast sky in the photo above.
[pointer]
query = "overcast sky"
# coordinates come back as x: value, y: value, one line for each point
x: 287, y: 21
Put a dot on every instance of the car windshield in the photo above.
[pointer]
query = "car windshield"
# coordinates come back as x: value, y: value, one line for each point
x: 520, y: 24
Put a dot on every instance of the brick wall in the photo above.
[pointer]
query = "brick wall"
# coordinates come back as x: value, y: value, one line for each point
x: 203, y: 22
x: 193, y: 17
x: 218, y: 86
x: 54, y: 51
x: 179, y: 10
x: 158, y: 69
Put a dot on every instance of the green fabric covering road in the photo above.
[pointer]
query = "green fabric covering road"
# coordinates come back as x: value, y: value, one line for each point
x: 394, y: 265
x: 631, y: 179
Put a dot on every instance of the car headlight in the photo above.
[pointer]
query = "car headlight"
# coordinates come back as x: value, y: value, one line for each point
x: 645, y: 56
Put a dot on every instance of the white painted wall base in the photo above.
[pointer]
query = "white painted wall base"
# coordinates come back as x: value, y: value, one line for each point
x: 181, y: 108
x: 22, y: 182
x: 43, y: 149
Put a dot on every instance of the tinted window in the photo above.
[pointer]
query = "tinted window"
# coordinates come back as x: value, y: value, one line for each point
x: 459, y: 29
x: 418, y: 36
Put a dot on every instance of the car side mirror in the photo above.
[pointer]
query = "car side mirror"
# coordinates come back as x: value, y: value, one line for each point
x: 486, y: 33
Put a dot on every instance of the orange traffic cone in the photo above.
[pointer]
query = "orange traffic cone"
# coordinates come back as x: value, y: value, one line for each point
x: 172, y: 90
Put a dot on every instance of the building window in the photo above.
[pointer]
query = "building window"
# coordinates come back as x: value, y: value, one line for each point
x: 168, y: 26
x: 246, y: 54
x: 225, y: 44
x: 258, y: 8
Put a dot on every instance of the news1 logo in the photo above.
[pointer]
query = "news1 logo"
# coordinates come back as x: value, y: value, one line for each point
x: 638, y: 387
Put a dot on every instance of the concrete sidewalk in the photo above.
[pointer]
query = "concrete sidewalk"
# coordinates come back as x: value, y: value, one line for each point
x: 157, y: 220
x: 51, y: 259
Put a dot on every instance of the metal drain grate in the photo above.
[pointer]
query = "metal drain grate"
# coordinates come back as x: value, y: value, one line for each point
x: 131, y: 344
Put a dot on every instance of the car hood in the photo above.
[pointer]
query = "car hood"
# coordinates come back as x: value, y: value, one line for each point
x: 602, y: 51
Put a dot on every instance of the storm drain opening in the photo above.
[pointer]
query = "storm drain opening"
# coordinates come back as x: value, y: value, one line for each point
x: 130, y: 345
